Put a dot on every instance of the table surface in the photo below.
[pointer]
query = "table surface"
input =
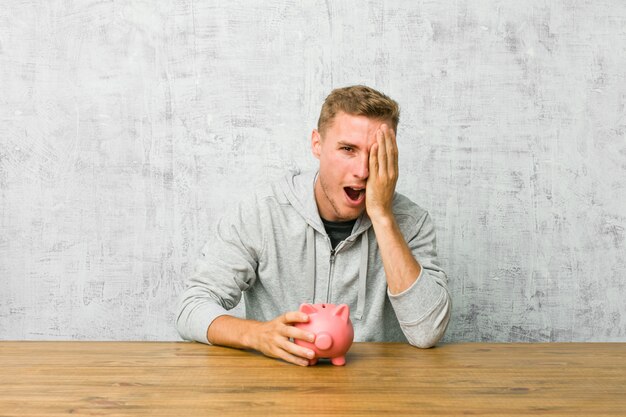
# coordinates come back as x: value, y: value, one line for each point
x: 169, y: 378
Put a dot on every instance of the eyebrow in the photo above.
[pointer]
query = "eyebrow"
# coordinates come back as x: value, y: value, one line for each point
x: 342, y: 143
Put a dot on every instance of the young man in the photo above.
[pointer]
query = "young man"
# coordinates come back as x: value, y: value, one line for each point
x: 339, y: 235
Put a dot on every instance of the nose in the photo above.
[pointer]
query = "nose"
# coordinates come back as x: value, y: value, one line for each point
x: 361, y: 170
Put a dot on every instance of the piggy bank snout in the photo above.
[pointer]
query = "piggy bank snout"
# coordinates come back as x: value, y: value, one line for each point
x: 323, y: 341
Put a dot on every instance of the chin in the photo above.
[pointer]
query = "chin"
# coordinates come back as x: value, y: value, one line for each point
x: 349, y: 215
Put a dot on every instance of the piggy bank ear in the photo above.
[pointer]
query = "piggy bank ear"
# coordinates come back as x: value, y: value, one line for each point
x: 342, y: 311
x: 307, y: 308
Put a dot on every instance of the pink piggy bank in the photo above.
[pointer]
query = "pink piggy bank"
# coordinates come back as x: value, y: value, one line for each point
x: 333, y: 331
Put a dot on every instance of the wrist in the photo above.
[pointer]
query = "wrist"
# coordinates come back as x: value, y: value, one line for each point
x: 382, y: 219
x: 248, y: 336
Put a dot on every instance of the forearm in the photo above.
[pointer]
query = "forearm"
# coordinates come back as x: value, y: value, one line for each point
x: 232, y: 332
x: 423, y: 311
x: 401, y: 268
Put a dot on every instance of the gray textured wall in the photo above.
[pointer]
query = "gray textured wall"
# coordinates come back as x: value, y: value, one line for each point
x: 126, y: 128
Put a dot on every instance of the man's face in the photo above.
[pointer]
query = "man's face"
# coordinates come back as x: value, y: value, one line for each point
x: 343, y: 152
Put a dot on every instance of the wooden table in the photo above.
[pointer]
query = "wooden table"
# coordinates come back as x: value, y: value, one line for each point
x: 190, y: 379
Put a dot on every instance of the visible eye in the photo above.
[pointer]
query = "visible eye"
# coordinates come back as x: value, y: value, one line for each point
x: 347, y: 148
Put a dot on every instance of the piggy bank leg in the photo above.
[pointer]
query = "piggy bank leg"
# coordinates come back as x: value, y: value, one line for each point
x: 339, y: 361
x: 312, y: 361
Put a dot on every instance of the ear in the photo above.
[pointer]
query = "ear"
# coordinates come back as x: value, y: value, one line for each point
x: 307, y: 308
x: 316, y: 143
x: 342, y: 311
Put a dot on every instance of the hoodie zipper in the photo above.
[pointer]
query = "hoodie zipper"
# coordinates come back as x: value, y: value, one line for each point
x: 330, y: 275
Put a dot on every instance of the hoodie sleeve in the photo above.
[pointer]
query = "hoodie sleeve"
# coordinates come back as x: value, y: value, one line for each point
x: 423, y: 309
x: 227, y: 266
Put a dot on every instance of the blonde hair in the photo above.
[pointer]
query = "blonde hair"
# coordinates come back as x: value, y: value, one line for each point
x: 358, y: 100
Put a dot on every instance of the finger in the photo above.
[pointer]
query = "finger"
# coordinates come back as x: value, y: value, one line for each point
x: 373, y: 159
x: 382, y: 153
x: 296, y: 333
x: 294, y: 317
x: 279, y: 352
x: 296, y: 360
x: 297, y: 351
x: 392, y: 151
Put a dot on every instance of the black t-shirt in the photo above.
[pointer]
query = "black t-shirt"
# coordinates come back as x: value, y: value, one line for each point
x: 338, y: 231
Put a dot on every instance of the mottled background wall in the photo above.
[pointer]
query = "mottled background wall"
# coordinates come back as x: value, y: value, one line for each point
x: 126, y: 128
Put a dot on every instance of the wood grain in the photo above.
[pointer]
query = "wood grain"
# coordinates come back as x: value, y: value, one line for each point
x: 166, y: 379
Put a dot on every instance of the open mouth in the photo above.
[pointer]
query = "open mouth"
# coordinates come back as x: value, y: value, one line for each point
x: 354, y: 194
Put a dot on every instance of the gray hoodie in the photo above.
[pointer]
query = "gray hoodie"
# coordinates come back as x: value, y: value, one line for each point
x: 274, y: 248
